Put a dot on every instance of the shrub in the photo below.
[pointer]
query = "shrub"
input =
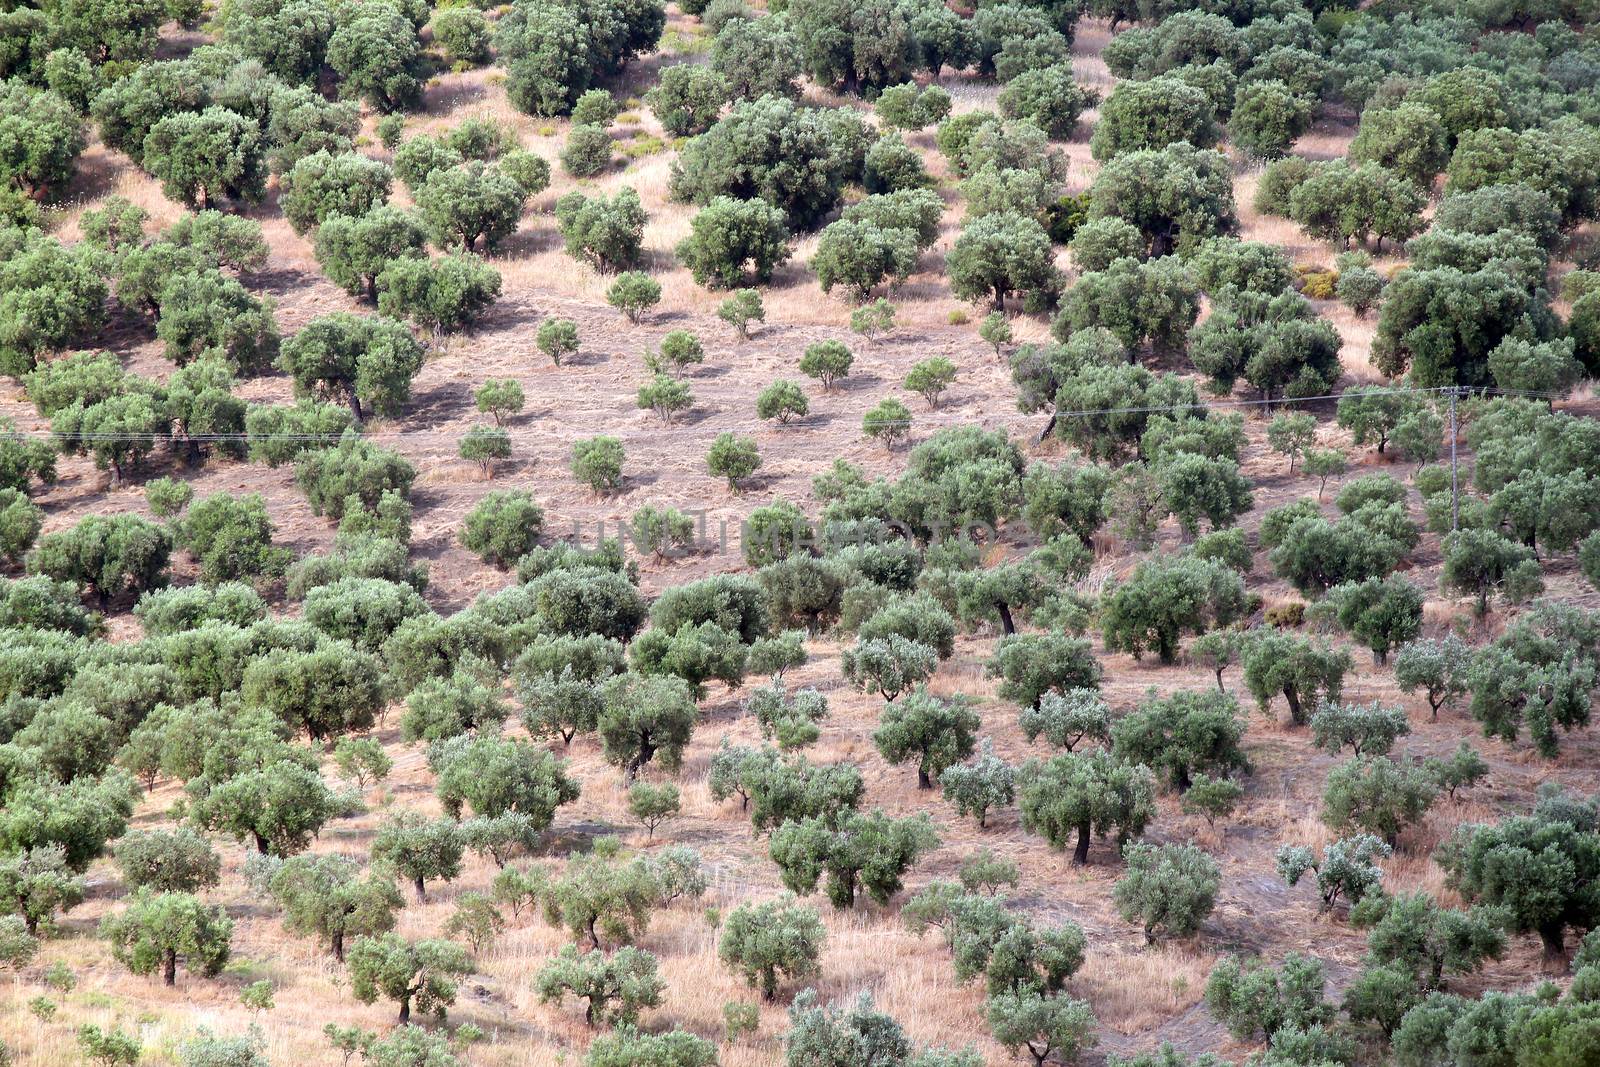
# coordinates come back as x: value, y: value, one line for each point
x: 1168, y: 889
x: 587, y: 152
x: 503, y: 527
x: 485, y: 446
x: 827, y: 361
x: 773, y: 942
x: 378, y: 58
x: 936, y: 733
x: 615, y: 987
x: 652, y: 805
x: 204, y: 157
x: 1375, y: 794
x: 782, y: 400
x: 463, y: 33
x: 231, y: 537
x: 421, y: 973
x: 770, y: 148
x: 634, y: 293
x: 740, y: 310
x: 366, y: 362
x: 322, y: 185
x: 732, y: 242
x: 1079, y: 794
x: 1001, y: 254
x: 733, y: 458
x: 862, y: 255
x: 605, y: 233
x: 1048, y: 98
x: 687, y: 99
x: 665, y: 395
x: 930, y: 378
x: 859, y: 852
x: 108, y: 556
x: 162, y: 930
x: 353, y: 475
x: 597, y: 462
x: 558, y: 339
x: 440, y: 295
x: 889, y: 422
x: 500, y: 398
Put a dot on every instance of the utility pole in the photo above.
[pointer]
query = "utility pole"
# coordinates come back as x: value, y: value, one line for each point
x: 1455, y: 492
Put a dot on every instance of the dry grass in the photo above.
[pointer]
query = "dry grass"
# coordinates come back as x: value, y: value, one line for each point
x: 1141, y: 994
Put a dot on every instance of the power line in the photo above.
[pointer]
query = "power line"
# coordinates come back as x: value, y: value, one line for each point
x: 669, y: 431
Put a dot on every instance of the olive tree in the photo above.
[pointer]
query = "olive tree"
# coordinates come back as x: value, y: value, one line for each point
x: 1168, y: 889
x: 770, y: 943
x: 368, y: 362
x: 420, y: 974
x: 1083, y: 794
x: 160, y: 930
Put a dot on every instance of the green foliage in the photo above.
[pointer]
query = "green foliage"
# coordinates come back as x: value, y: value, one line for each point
x: 1378, y: 795
x: 322, y: 897
x: 687, y: 98
x: 168, y: 861
x: 362, y: 760
x: 162, y: 930
x: 1438, y: 667
x: 50, y: 295
x: 421, y: 973
x: 664, y: 395
x: 366, y: 362
x: 627, y: 1047
x: 770, y: 149
x: 783, y: 400
x: 767, y: 944
x: 1165, y: 597
x: 1252, y: 999
x: 1151, y: 115
x: 323, y: 185
x: 1190, y: 732
x: 1169, y: 889
x: 279, y: 808
x: 615, y: 988
x: 111, y: 557
x: 861, y: 255
x: 36, y: 884
x: 1084, y: 794
x: 1304, y: 673
x: 634, y: 293
x: 231, y: 538
x: 935, y: 733
x: 378, y: 58
x: 889, y: 422
x: 605, y: 233
x: 439, y: 295
x: 858, y: 852
x: 1002, y: 254
x: 1534, y: 866
x: 1177, y: 196
x: 735, y: 242
x: 976, y: 787
x: 652, y: 805
x: 734, y: 458
x: 740, y: 310
x: 352, y: 475
x: 417, y: 850
x: 930, y: 378
x: 203, y: 158
x: 503, y: 527
x: 909, y: 106
x: 554, y: 52
x: 644, y: 719
x: 587, y: 151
